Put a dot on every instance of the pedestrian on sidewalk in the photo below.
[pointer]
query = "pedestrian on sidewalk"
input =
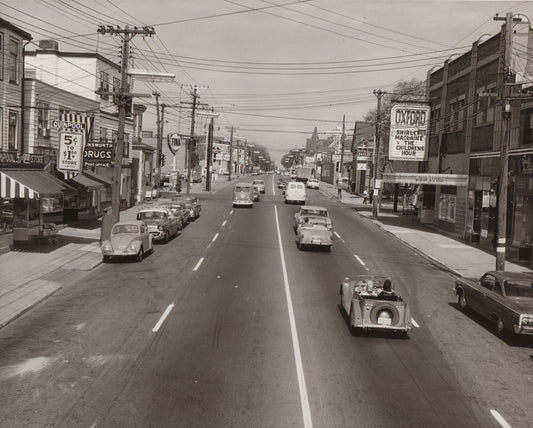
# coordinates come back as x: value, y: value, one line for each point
x: 108, y: 220
x: 339, y: 189
x: 365, y: 196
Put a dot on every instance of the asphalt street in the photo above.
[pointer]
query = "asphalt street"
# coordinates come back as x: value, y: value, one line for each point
x: 230, y: 325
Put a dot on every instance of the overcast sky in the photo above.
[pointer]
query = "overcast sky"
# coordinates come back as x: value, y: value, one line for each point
x: 274, y: 69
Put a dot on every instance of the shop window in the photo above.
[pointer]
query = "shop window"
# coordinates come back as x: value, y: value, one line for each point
x: 126, y: 152
x: 13, y: 61
x: 12, y: 136
x: 50, y: 205
x: 447, y: 203
x: 43, y: 120
x: 103, y: 134
x: 1, y: 126
x: 1, y: 58
x: 104, y: 85
x: 116, y: 89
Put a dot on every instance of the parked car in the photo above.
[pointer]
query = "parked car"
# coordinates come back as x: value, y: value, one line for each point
x: 314, y: 212
x: 371, y: 307
x: 282, y: 181
x: 243, y: 195
x: 128, y: 239
x: 179, y: 211
x: 260, y: 185
x: 505, y: 298
x: 314, y: 232
x: 257, y: 192
x: 295, y: 192
x: 313, y: 183
x: 192, y: 203
x: 160, y: 223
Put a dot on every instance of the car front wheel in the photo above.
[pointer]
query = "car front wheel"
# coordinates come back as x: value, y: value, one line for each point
x: 461, y: 299
x: 140, y: 255
x: 500, y: 328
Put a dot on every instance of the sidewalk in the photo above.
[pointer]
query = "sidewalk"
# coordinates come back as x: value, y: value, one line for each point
x: 451, y: 254
x: 29, y: 275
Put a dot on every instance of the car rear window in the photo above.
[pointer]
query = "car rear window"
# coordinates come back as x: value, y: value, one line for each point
x: 151, y: 215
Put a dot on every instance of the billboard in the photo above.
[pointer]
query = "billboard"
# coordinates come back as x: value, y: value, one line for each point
x: 409, y: 132
x: 70, y: 151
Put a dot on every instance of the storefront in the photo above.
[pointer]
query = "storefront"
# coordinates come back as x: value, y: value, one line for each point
x: 87, y: 206
x: 439, y: 199
x: 31, y: 198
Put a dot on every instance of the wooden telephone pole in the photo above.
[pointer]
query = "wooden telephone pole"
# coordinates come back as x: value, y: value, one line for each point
x: 123, y: 97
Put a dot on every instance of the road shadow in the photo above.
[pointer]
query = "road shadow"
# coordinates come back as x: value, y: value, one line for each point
x: 48, y: 245
x: 511, y: 339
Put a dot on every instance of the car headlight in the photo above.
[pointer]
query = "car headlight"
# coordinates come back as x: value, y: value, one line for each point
x: 106, y: 246
x: 161, y: 227
x: 527, y: 320
x: 134, y: 246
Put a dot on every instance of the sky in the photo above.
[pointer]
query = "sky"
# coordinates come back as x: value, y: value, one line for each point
x: 272, y: 69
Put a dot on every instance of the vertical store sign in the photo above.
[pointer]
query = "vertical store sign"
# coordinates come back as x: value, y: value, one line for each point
x: 409, y: 132
x: 71, y: 146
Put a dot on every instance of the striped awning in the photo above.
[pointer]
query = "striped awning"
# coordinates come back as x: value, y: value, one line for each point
x: 24, y: 183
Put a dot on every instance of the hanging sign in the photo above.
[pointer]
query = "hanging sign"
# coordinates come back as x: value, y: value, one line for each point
x: 174, y: 142
x: 70, y: 150
x: 99, y: 154
x: 408, y: 132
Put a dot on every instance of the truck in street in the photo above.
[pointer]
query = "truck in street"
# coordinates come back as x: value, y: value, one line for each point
x: 303, y: 173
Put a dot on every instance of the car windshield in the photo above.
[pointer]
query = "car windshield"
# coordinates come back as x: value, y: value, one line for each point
x: 260, y: 182
x: 321, y: 213
x: 125, y: 228
x: 150, y: 215
x: 243, y: 188
x: 519, y: 288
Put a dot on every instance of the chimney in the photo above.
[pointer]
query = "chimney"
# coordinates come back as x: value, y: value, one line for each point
x: 48, y: 45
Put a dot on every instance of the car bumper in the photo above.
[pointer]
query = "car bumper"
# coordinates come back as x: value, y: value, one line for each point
x: 118, y: 253
x: 523, y: 330
x: 158, y: 235
x: 243, y: 203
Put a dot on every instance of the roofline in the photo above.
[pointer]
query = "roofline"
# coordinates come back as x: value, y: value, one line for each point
x: 74, y: 55
x: 15, y: 29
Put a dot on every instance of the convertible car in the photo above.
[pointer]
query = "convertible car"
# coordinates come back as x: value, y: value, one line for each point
x: 314, y: 232
x: 128, y: 239
x: 371, y: 307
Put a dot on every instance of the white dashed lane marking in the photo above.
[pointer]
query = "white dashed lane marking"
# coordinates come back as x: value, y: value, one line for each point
x: 414, y: 323
x: 198, y: 264
x: 215, y: 237
x: 360, y: 261
x: 338, y: 236
x: 499, y: 418
x: 162, y: 319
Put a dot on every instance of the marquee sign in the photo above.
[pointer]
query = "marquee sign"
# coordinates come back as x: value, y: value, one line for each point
x: 408, y: 132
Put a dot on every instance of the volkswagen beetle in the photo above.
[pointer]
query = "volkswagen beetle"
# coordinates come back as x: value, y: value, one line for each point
x: 128, y: 239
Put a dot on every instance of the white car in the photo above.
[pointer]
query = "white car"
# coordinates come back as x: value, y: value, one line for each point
x: 295, y: 192
x: 128, y: 239
x: 313, y: 183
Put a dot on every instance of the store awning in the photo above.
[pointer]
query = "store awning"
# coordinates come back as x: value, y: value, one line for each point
x: 88, y: 183
x: 31, y: 183
x: 458, y: 180
x: 100, y: 179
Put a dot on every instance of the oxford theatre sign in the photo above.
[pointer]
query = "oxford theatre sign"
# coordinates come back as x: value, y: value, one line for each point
x: 409, y: 132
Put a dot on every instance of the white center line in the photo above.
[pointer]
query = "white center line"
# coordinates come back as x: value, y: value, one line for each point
x: 215, y: 237
x: 163, y: 317
x: 414, y: 323
x: 308, y: 423
x: 231, y: 212
x: 198, y: 264
x: 338, y: 236
x: 360, y: 261
x: 500, y: 419
x: 224, y: 223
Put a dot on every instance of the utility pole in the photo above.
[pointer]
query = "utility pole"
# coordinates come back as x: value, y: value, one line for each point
x: 343, y: 139
x: 505, y: 142
x: 191, y: 141
x: 230, y: 154
x: 209, y: 155
x: 379, y: 94
x: 158, y: 135
x: 123, y: 96
x: 238, y: 159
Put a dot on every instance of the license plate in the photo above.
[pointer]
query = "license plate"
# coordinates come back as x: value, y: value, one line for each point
x: 384, y: 321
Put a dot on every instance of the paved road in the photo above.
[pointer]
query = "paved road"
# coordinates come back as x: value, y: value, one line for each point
x: 223, y: 326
